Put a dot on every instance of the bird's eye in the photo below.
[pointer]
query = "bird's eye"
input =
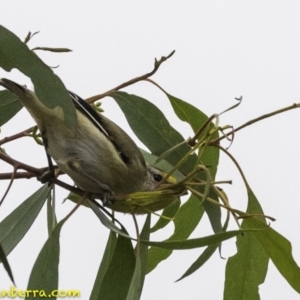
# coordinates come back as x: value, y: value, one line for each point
x: 157, y: 177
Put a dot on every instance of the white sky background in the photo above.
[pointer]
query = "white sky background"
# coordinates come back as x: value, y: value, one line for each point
x: 224, y: 49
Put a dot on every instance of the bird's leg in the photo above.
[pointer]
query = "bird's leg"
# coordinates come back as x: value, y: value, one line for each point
x: 107, y: 198
x: 50, y: 173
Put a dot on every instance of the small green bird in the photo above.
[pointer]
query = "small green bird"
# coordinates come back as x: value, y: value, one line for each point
x: 97, y: 154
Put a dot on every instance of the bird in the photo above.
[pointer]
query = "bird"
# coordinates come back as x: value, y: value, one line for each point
x: 97, y: 154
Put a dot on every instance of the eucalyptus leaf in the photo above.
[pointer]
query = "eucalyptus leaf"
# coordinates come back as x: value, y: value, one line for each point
x: 119, y: 271
x: 196, y: 118
x: 200, y: 261
x: 279, y: 249
x: 107, y: 222
x: 44, y: 274
x: 247, y: 269
x: 48, y: 87
x: 210, y: 156
x: 14, y: 227
x: 195, y: 243
x: 9, y: 106
x: 153, y: 129
x: 167, y: 216
x: 137, y: 282
x: 105, y: 263
x: 6, y: 265
x: 185, y: 221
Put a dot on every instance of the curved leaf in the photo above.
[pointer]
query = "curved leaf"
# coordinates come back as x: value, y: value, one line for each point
x: 136, y: 287
x: 195, y: 243
x: 200, y: 261
x: 247, y: 269
x: 6, y: 265
x: 196, y: 118
x: 44, y: 274
x: 9, y: 106
x: 185, y: 221
x: 14, y: 226
x: 279, y: 249
x: 153, y: 129
x: 210, y: 157
x: 48, y: 86
x: 105, y: 262
x: 168, y: 215
x: 120, y: 271
x: 106, y: 221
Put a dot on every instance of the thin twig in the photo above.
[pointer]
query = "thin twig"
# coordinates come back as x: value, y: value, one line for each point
x: 193, y: 141
x: 19, y: 175
x: 16, y: 136
x: 157, y: 64
x: 293, y: 106
x: 19, y: 165
x: 80, y: 202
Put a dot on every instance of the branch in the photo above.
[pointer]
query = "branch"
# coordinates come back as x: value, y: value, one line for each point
x: 16, y: 136
x: 19, y: 175
x: 276, y: 112
x: 19, y: 165
x: 132, y: 81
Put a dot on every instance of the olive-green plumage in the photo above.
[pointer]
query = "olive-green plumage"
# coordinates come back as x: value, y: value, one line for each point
x: 100, y: 158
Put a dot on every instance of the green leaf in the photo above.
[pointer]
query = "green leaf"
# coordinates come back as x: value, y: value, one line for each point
x: 14, y: 226
x: 247, y: 269
x: 136, y: 286
x: 196, y: 118
x: 187, y: 112
x: 6, y: 264
x: 195, y: 243
x: 200, y: 261
x: 105, y: 263
x: 214, y: 212
x: 44, y: 274
x: 9, y: 106
x: 153, y: 129
x: 48, y: 86
x: 185, y: 221
x: 117, y: 279
x: 210, y: 157
x: 167, y: 215
x: 279, y: 249
x: 106, y: 221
